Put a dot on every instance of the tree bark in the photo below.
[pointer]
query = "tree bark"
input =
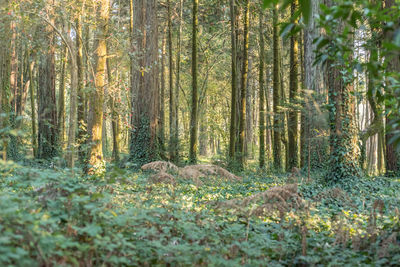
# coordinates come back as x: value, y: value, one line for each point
x: 194, y: 106
x: 261, y: 91
x: 144, y: 144
x: 293, y: 118
x: 393, y: 66
x: 61, y: 96
x: 172, y: 99
x: 232, y: 131
x: 95, y: 163
x: 47, y: 107
x: 276, y: 95
x: 243, y: 86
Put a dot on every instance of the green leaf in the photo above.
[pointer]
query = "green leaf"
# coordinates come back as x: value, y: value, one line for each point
x: 305, y: 7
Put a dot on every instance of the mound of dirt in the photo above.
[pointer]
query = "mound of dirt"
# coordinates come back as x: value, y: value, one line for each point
x: 205, y: 170
x: 163, y: 178
x: 279, y: 198
x: 160, y: 166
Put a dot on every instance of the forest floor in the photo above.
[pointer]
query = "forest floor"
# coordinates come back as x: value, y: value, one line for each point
x: 50, y: 217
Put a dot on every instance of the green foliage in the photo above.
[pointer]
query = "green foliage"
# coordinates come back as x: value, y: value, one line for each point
x: 141, y: 147
x: 305, y: 7
x: 53, y: 218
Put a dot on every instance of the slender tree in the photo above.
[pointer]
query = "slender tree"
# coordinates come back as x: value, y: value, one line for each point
x: 232, y: 131
x: 276, y: 94
x: 261, y: 91
x: 177, y: 80
x: 82, y: 127
x: 194, y: 115
x: 393, y: 66
x: 293, y: 119
x: 172, y: 98
x: 61, y: 95
x: 163, y: 72
x: 243, y: 86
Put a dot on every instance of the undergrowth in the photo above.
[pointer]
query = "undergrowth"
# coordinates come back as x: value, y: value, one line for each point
x: 55, y: 218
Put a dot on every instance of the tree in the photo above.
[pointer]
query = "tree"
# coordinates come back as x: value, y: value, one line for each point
x: 243, y: 86
x: 178, y: 78
x: 393, y: 65
x: 47, y: 107
x: 194, y: 111
x: 172, y: 96
x: 293, y: 94
x: 232, y: 131
x: 95, y: 164
x: 61, y: 95
x: 343, y: 136
x: 276, y: 94
x: 262, y: 98
x: 143, y: 144
x: 82, y: 127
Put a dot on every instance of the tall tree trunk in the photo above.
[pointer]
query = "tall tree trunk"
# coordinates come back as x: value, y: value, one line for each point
x: 82, y: 127
x: 393, y: 66
x: 194, y: 111
x: 276, y: 94
x: 163, y: 89
x: 5, y: 106
x: 33, y: 109
x: 95, y: 163
x: 232, y: 131
x: 144, y: 144
x: 293, y: 119
x: 47, y: 107
x: 261, y: 91
x: 61, y: 96
x: 343, y: 136
x: 114, y: 113
x: 243, y: 86
x: 12, y: 147
x: 172, y: 102
x: 177, y: 85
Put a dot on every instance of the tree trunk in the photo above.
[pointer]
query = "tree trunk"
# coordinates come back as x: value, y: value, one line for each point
x: 114, y: 113
x: 276, y: 95
x: 61, y: 96
x: 194, y: 111
x: 243, y: 86
x: 12, y: 147
x: 95, y: 163
x: 178, y: 67
x: 163, y: 89
x: 293, y: 119
x: 261, y: 91
x: 393, y: 66
x: 47, y: 107
x: 82, y: 127
x: 344, y: 157
x: 33, y: 109
x: 172, y: 102
x: 232, y: 131
x: 145, y: 93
